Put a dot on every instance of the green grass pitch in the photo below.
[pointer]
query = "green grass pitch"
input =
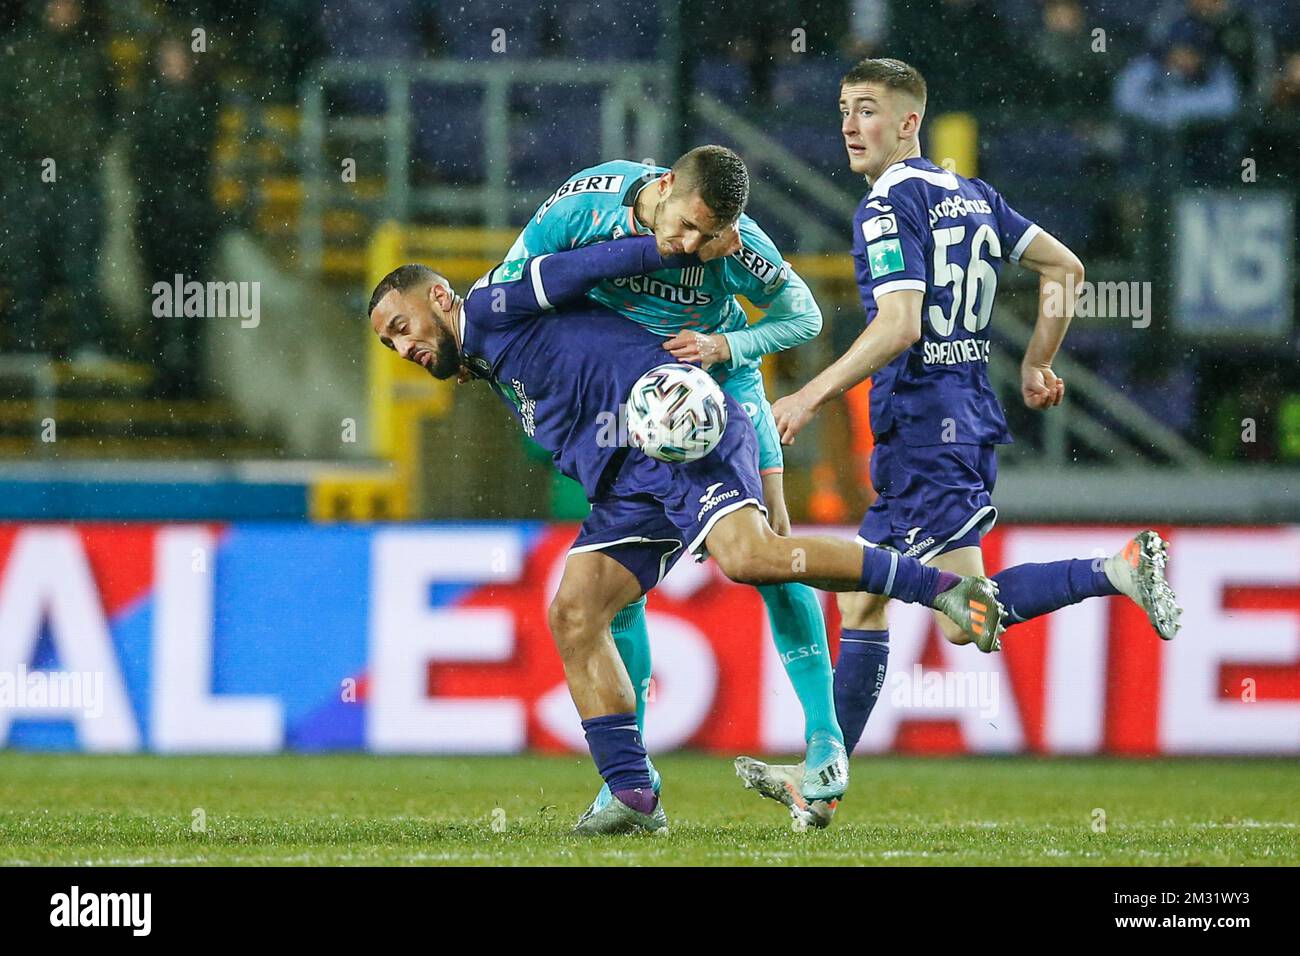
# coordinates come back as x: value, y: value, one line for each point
x: 315, y: 810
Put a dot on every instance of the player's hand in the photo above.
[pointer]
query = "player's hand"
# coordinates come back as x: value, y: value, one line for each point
x: 726, y: 243
x: 1040, y: 387
x: 792, y: 413
x: 699, y: 349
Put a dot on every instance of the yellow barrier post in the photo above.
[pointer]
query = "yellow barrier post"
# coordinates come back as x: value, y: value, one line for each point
x: 954, y: 143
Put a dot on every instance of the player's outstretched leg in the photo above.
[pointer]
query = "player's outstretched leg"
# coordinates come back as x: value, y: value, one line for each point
x: 1136, y: 571
x: 593, y: 589
x: 749, y: 552
x: 632, y: 639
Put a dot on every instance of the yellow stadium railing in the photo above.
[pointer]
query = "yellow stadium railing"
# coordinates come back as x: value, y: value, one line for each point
x: 401, y: 394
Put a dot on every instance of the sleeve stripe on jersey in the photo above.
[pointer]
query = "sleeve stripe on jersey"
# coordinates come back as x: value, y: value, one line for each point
x: 1024, y: 242
x: 899, y: 285
x: 534, y: 270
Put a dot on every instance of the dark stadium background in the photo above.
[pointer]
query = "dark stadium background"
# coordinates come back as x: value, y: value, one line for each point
x: 211, y: 513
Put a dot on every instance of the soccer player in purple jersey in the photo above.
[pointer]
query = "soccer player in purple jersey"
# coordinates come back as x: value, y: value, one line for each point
x: 565, y: 366
x: 927, y: 247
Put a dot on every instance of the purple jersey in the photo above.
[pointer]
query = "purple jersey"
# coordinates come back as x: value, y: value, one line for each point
x: 926, y: 229
x: 565, y: 375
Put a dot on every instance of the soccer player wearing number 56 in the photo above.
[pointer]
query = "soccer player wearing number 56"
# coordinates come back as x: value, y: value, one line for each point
x: 927, y: 248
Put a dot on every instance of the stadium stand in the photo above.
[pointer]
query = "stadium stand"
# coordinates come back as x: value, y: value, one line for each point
x: 390, y: 87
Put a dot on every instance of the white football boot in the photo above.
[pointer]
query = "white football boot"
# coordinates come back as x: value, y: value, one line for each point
x: 784, y: 784
x: 1138, y: 571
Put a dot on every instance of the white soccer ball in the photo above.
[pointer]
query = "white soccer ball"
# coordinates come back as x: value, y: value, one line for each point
x: 676, y: 413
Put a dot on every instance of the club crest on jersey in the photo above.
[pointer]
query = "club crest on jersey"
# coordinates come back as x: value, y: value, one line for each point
x: 611, y: 183
x: 886, y: 225
x: 692, y: 277
x: 885, y: 257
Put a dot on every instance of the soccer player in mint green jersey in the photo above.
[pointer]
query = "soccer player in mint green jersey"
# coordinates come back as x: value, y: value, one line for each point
x: 697, y: 207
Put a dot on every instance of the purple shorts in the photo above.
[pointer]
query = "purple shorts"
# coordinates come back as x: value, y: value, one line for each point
x: 647, y: 513
x: 933, y: 498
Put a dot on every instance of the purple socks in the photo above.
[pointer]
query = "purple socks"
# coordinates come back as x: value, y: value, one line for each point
x: 641, y: 800
x: 1031, y: 590
x: 889, y: 573
x: 616, y: 747
x: 859, y: 677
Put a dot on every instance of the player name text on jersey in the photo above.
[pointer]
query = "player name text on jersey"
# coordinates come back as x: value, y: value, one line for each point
x: 587, y: 184
x: 956, y: 352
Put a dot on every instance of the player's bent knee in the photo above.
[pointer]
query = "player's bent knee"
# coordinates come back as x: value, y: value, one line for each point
x: 860, y: 611
x: 574, y: 624
x: 741, y: 562
x: 754, y: 559
x: 741, y: 542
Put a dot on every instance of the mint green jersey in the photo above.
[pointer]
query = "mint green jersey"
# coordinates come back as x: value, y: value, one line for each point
x: 598, y: 203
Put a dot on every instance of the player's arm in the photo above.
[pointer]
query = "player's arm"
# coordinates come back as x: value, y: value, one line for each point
x: 1060, y: 276
x: 889, y: 258
x: 895, y: 329
x: 542, y: 283
x: 754, y: 269
x: 792, y: 318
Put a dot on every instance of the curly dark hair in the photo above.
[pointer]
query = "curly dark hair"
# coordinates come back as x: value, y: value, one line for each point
x: 718, y: 176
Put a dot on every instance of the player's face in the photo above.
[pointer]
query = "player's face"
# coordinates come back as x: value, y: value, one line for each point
x: 415, y: 326
x: 870, y: 127
x: 682, y: 223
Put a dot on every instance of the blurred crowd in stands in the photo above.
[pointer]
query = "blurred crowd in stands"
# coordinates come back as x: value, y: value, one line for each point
x: 1088, y: 111
x: 64, y: 97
